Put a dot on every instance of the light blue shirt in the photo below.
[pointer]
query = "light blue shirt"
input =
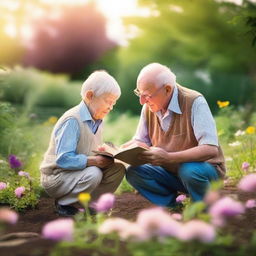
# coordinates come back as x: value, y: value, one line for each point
x: 201, y: 119
x: 66, y: 139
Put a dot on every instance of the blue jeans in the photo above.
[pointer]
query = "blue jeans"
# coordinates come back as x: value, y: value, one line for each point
x: 161, y: 186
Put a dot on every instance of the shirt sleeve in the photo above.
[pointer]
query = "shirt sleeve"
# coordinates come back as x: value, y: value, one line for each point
x: 66, y: 138
x: 142, y: 130
x: 203, y: 123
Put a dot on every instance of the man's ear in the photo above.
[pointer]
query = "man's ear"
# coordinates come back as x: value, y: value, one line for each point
x: 168, y: 88
x: 89, y: 95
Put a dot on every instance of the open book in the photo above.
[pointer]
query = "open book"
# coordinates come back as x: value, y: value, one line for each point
x: 128, y: 155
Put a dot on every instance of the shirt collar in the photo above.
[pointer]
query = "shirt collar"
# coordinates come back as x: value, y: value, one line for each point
x: 174, y: 102
x: 84, y: 112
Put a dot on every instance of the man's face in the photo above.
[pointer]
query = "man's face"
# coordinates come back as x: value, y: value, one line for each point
x: 156, y: 98
x: 100, y: 106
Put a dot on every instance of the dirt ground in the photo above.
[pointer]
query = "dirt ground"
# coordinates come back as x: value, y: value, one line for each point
x: 127, y: 206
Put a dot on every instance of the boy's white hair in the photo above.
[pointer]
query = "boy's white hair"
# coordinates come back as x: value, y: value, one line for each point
x: 100, y: 82
x: 157, y: 74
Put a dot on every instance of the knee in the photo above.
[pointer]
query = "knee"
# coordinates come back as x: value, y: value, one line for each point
x: 95, y: 175
x: 187, y: 172
x: 131, y: 174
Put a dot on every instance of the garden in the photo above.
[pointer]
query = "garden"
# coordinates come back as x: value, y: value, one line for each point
x: 40, y: 79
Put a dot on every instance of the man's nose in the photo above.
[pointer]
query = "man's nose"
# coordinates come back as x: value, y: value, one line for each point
x: 143, y: 100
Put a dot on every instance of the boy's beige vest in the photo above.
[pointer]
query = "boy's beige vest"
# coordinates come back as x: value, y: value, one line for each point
x: 180, y: 135
x: 86, y: 143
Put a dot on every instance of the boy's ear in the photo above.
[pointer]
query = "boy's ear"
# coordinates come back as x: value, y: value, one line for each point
x: 89, y: 95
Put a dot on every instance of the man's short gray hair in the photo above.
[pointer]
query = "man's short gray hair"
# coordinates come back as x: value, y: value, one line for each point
x: 100, y: 82
x: 157, y: 74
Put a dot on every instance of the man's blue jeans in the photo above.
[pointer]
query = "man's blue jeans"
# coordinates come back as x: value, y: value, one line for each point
x: 161, y: 186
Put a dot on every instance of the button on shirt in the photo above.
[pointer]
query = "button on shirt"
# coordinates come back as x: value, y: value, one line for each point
x: 66, y: 139
x: 201, y: 119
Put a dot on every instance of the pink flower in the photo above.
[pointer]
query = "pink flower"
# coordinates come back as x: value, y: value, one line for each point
x: 19, y: 191
x: 176, y: 216
x: 156, y: 222
x: 251, y: 203
x: 180, y: 198
x: 248, y: 183
x: 113, y: 225
x: 197, y: 230
x: 8, y: 216
x: 211, y: 197
x: 223, y: 208
x: 61, y: 229
x: 245, y: 166
x: 3, y: 185
x: 104, y: 203
x: 21, y: 173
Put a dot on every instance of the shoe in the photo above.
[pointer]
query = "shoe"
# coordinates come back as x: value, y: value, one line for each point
x: 65, y: 210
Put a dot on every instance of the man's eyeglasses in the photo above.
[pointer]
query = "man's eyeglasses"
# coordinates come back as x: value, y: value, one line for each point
x: 146, y: 96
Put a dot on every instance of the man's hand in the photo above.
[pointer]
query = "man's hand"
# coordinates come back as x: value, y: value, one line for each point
x: 155, y: 156
x: 100, y: 161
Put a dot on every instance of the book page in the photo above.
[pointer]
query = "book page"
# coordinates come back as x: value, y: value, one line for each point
x: 129, y: 155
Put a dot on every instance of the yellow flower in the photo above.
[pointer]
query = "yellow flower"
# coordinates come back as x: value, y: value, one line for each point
x: 52, y: 120
x: 250, y: 130
x: 223, y: 104
x: 84, y: 197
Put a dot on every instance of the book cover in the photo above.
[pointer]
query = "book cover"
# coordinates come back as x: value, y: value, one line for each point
x: 128, y: 155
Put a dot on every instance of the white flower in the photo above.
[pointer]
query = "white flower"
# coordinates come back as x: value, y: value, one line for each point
x: 234, y: 144
x: 239, y: 133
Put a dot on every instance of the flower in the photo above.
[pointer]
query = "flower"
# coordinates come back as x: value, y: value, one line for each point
x: 84, y: 197
x: 176, y: 216
x: 251, y: 203
x: 248, y: 183
x: 223, y: 208
x: 245, y: 166
x: 250, y: 130
x: 3, y: 185
x: 14, y: 162
x: 197, y: 230
x: 239, y: 133
x: 61, y: 229
x: 26, y: 174
x: 211, y: 197
x: 113, y: 225
x: 180, y: 198
x: 8, y: 216
x: 223, y: 104
x: 156, y: 222
x: 19, y: 191
x: 234, y: 144
x: 104, y: 203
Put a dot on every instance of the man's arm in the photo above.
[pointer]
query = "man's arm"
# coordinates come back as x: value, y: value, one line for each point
x: 205, y: 132
x: 141, y: 137
x: 66, y: 139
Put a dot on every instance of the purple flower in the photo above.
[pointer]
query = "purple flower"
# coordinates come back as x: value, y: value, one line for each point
x: 197, y: 230
x: 245, y: 166
x: 26, y: 174
x: 223, y: 208
x: 19, y: 191
x: 14, y: 162
x: 3, y: 185
x: 248, y: 183
x: 104, y: 203
x: 8, y: 216
x: 156, y: 222
x: 180, y: 198
x: 61, y: 229
x: 251, y: 203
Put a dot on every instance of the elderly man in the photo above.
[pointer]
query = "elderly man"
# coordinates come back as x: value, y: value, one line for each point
x: 177, y: 124
x: 69, y: 166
